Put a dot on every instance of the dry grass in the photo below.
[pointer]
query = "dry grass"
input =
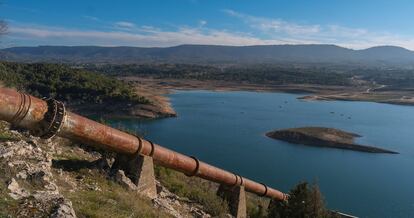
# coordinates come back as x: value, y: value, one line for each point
x: 8, y: 206
x: 94, y: 195
x: 193, y: 188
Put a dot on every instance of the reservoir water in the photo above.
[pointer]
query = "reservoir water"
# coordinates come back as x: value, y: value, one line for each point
x: 227, y: 129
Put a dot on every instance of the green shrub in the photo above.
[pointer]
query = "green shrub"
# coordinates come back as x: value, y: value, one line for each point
x: 304, y: 202
x: 256, y: 206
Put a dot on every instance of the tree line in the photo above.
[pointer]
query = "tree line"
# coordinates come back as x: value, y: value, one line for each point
x: 67, y: 84
x: 264, y: 74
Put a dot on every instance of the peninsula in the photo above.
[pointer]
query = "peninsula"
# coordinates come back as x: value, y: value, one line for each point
x: 324, y: 137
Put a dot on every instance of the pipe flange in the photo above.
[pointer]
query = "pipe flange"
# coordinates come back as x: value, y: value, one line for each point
x: 237, y: 180
x: 196, y: 169
x: 24, y: 108
x: 52, y: 120
x: 265, y: 192
x: 139, y: 149
x: 152, y: 149
x: 286, y: 197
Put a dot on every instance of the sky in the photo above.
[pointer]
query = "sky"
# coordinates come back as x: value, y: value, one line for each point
x: 355, y: 24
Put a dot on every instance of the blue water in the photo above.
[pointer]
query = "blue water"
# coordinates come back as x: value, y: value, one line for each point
x: 227, y: 129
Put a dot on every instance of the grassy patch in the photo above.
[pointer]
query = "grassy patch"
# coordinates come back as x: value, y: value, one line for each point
x: 112, y: 201
x: 204, y: 192
x: 8, y: 206
x: 5, y: 134
x: 196, y: 189
x: 257, y: 206
x: 107, y: 199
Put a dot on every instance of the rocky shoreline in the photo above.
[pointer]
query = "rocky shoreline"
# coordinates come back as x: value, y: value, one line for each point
x: 324, y: 137
x: 124, y: 110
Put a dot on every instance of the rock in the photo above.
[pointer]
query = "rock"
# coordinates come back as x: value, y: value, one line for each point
x: 32, y: 142
x: 103, y: 164
x: 123, y: 180
x: 79, y: 177
x: 93, y: 187
x: 64, y: 210
x: 163, y: 204
x: 197, y: 212
x: 31, y: 161
x: 52, y: 187
x: 177, y: 206
x: 22, y: 174
x: 15, y: 191
x: 37, y: 178
x: 46, y: 204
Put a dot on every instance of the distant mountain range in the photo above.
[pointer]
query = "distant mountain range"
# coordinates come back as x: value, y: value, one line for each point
x: 214, y: 54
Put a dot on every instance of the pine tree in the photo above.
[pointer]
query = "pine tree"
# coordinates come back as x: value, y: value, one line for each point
x: 304, y: 202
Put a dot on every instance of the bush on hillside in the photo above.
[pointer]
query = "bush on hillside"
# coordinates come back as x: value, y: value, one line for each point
x: 305, y: 201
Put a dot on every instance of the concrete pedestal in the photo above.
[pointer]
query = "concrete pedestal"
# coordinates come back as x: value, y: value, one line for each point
x: 140, y: 169
x: 236, y: 198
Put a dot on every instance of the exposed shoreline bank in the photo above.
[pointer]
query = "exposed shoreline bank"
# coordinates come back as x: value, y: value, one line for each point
x: 159, y: 106
x: 311, y: 92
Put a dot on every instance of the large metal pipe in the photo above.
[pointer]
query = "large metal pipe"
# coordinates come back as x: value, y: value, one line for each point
x: 48, y: 118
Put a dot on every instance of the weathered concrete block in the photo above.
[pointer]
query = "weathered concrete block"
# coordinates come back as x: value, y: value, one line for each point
x: 236, y: 198
x: 140, y: 169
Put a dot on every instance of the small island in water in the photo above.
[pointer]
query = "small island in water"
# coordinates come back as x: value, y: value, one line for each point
x: 324, y: 137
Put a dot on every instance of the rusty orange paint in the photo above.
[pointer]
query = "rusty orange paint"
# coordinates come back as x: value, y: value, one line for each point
x: 18, y: 107
x: 76, y: 127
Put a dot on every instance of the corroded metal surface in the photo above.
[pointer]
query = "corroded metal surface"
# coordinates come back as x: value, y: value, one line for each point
x: 52, y: 120
x: 27, y: 111
x: 21, y: 109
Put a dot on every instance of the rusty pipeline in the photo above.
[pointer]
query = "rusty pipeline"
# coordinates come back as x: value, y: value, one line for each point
x: 47, y: 118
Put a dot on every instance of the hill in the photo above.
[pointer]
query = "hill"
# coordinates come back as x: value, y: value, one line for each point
x: 205, y: 54
x: 81, y: 90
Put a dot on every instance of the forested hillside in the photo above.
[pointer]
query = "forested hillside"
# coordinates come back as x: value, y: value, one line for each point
x: 67, y: 84
x: 213, y: 54
x: 258, y: 74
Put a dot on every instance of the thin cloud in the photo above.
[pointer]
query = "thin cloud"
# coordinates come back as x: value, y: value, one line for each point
x: 323, y: 34
x: 260, y: 31
x: 274, y: 25
x: 124, y: 24
x: 202, y: 23
x: 143, y: 36
x: 91, y: 18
